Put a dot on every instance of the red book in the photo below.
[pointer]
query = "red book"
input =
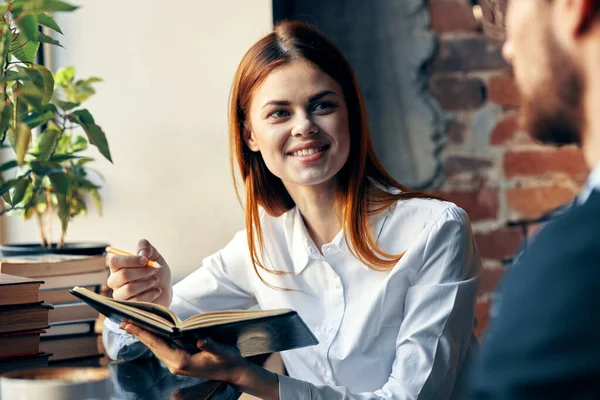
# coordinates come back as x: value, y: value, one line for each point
x: 19, y: 344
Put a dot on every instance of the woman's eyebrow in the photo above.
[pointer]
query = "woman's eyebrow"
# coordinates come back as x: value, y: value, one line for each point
x: 320, y: 95
x: 312, y: 99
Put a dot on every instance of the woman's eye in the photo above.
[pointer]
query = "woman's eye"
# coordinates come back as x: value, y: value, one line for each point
x: 324, y: 106
x: 279, y: 114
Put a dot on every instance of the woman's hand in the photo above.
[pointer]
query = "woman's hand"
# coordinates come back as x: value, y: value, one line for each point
x: 215, y: 361
x: 131, y: 279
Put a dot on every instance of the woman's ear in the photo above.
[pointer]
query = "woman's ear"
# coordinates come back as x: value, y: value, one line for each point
x: 250, y: 139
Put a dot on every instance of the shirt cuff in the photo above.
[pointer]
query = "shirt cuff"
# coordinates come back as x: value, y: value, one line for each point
x: 120, y: 345
x: 292, y: 389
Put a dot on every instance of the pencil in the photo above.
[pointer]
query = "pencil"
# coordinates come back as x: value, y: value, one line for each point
x: 112, y: 250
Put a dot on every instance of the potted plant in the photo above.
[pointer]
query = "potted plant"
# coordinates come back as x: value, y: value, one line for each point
x: 45, y: 128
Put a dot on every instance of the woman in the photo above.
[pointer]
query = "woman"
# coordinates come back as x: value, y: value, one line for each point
x: 385, y: 277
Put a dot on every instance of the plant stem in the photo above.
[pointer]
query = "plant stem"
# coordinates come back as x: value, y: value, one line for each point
x: 41, y: 228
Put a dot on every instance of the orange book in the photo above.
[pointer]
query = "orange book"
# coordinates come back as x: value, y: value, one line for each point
x: 18, y: 290
x: 51, y: 265
x: 23, y: 317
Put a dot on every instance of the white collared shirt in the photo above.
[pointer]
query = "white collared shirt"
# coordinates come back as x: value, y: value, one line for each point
x: 403, y: 333
x: 592, y: 183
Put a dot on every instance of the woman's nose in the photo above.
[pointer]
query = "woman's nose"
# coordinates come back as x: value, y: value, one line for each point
x: 304, y: 126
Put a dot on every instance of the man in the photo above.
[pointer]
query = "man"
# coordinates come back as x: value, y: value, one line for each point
x: 544, y: 340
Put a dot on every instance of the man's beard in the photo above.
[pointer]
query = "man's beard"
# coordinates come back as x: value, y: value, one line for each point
x: 554, y: 115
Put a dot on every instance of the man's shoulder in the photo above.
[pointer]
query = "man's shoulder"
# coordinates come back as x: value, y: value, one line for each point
x: 577, y: 230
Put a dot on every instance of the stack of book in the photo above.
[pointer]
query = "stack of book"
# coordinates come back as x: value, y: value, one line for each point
x: 71, y: 334
x: 23, y: 318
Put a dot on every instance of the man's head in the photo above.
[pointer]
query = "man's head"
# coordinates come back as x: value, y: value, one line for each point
x: 546, y: 45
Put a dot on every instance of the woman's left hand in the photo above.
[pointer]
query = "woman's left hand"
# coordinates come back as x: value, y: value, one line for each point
x: 215, y: 361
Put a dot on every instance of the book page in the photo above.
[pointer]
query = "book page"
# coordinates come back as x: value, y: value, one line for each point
x: 150, y: 311
x: 227, y: 316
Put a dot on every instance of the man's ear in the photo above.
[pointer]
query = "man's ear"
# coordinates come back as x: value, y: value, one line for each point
x: 575, y: 16
x: 249, y: 138
x: 589, y: 10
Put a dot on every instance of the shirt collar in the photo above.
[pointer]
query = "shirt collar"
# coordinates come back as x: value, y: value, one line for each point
x: 592, y: 183
x: 298, y: 236
x: 302, y: 246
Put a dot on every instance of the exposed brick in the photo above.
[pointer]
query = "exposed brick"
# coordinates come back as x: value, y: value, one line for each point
x: 479, y: 205
x: 503, y: 90
x: 482, y: 312
x: 470, y: 54
x: 499, y: 244
x: 533, y: 202
x: 490, y: 277
x: 567, y: 159
x: 458, y: 93
x: 451, y: 16
x: 455, y: 130
x: 467, y: 164
x: 508, y: 131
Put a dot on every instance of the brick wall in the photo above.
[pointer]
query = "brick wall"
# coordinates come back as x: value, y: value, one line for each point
x: 492, y: 168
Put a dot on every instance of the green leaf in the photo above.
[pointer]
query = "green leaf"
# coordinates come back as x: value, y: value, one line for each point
x: 60, y: 182
x: 94, y: 133
x: 93, y: 79
x: 38, y: 168
x: 83, y: 117
x: 6, y: 197
x: 66, y: 105
x: 19, y: 190
x: 87, y: 185
x: 62, y: 157
x: 28, y: 27
x: 39, y: 6
x: 42, y: 38
x: 5, y: 41
x: 5, y: 118
x: 77, y: 207
x: 79, y: 144
x: 8, y: 165
x: 22, y: 136
x: 64, y: 76
x: 39, y: 118
x: 84, y: 160
x: 97, y: 200
x: 38, y: 90
x: 12, y: 138
x: 97, y: 137
x: 47, y: 21
x: 63, y: 211
x: 6, y: 186
x: 25, y: 50
x: 11, y: 76
x: 43, y: 80
x: 47, y: 142
x: 28, y: 95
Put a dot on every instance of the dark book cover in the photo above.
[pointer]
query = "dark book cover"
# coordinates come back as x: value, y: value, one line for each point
x: 31, y: 361
x: 256, y: 336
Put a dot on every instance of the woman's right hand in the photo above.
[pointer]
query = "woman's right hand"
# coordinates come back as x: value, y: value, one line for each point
x: 131, y: 279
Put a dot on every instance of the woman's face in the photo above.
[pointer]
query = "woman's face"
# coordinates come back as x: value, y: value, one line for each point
x: 298, y: 120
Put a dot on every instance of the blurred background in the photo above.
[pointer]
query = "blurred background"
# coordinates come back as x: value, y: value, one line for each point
x: 442, y: 104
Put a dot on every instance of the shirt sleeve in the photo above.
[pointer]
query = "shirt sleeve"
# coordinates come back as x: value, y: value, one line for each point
x: 222, y: 282
x: 437, y: 330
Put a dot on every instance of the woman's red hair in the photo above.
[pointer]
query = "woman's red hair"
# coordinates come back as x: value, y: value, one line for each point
x: 364, y: 187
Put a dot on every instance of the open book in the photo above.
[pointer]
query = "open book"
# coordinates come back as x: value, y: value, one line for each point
x: 253, y: 331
